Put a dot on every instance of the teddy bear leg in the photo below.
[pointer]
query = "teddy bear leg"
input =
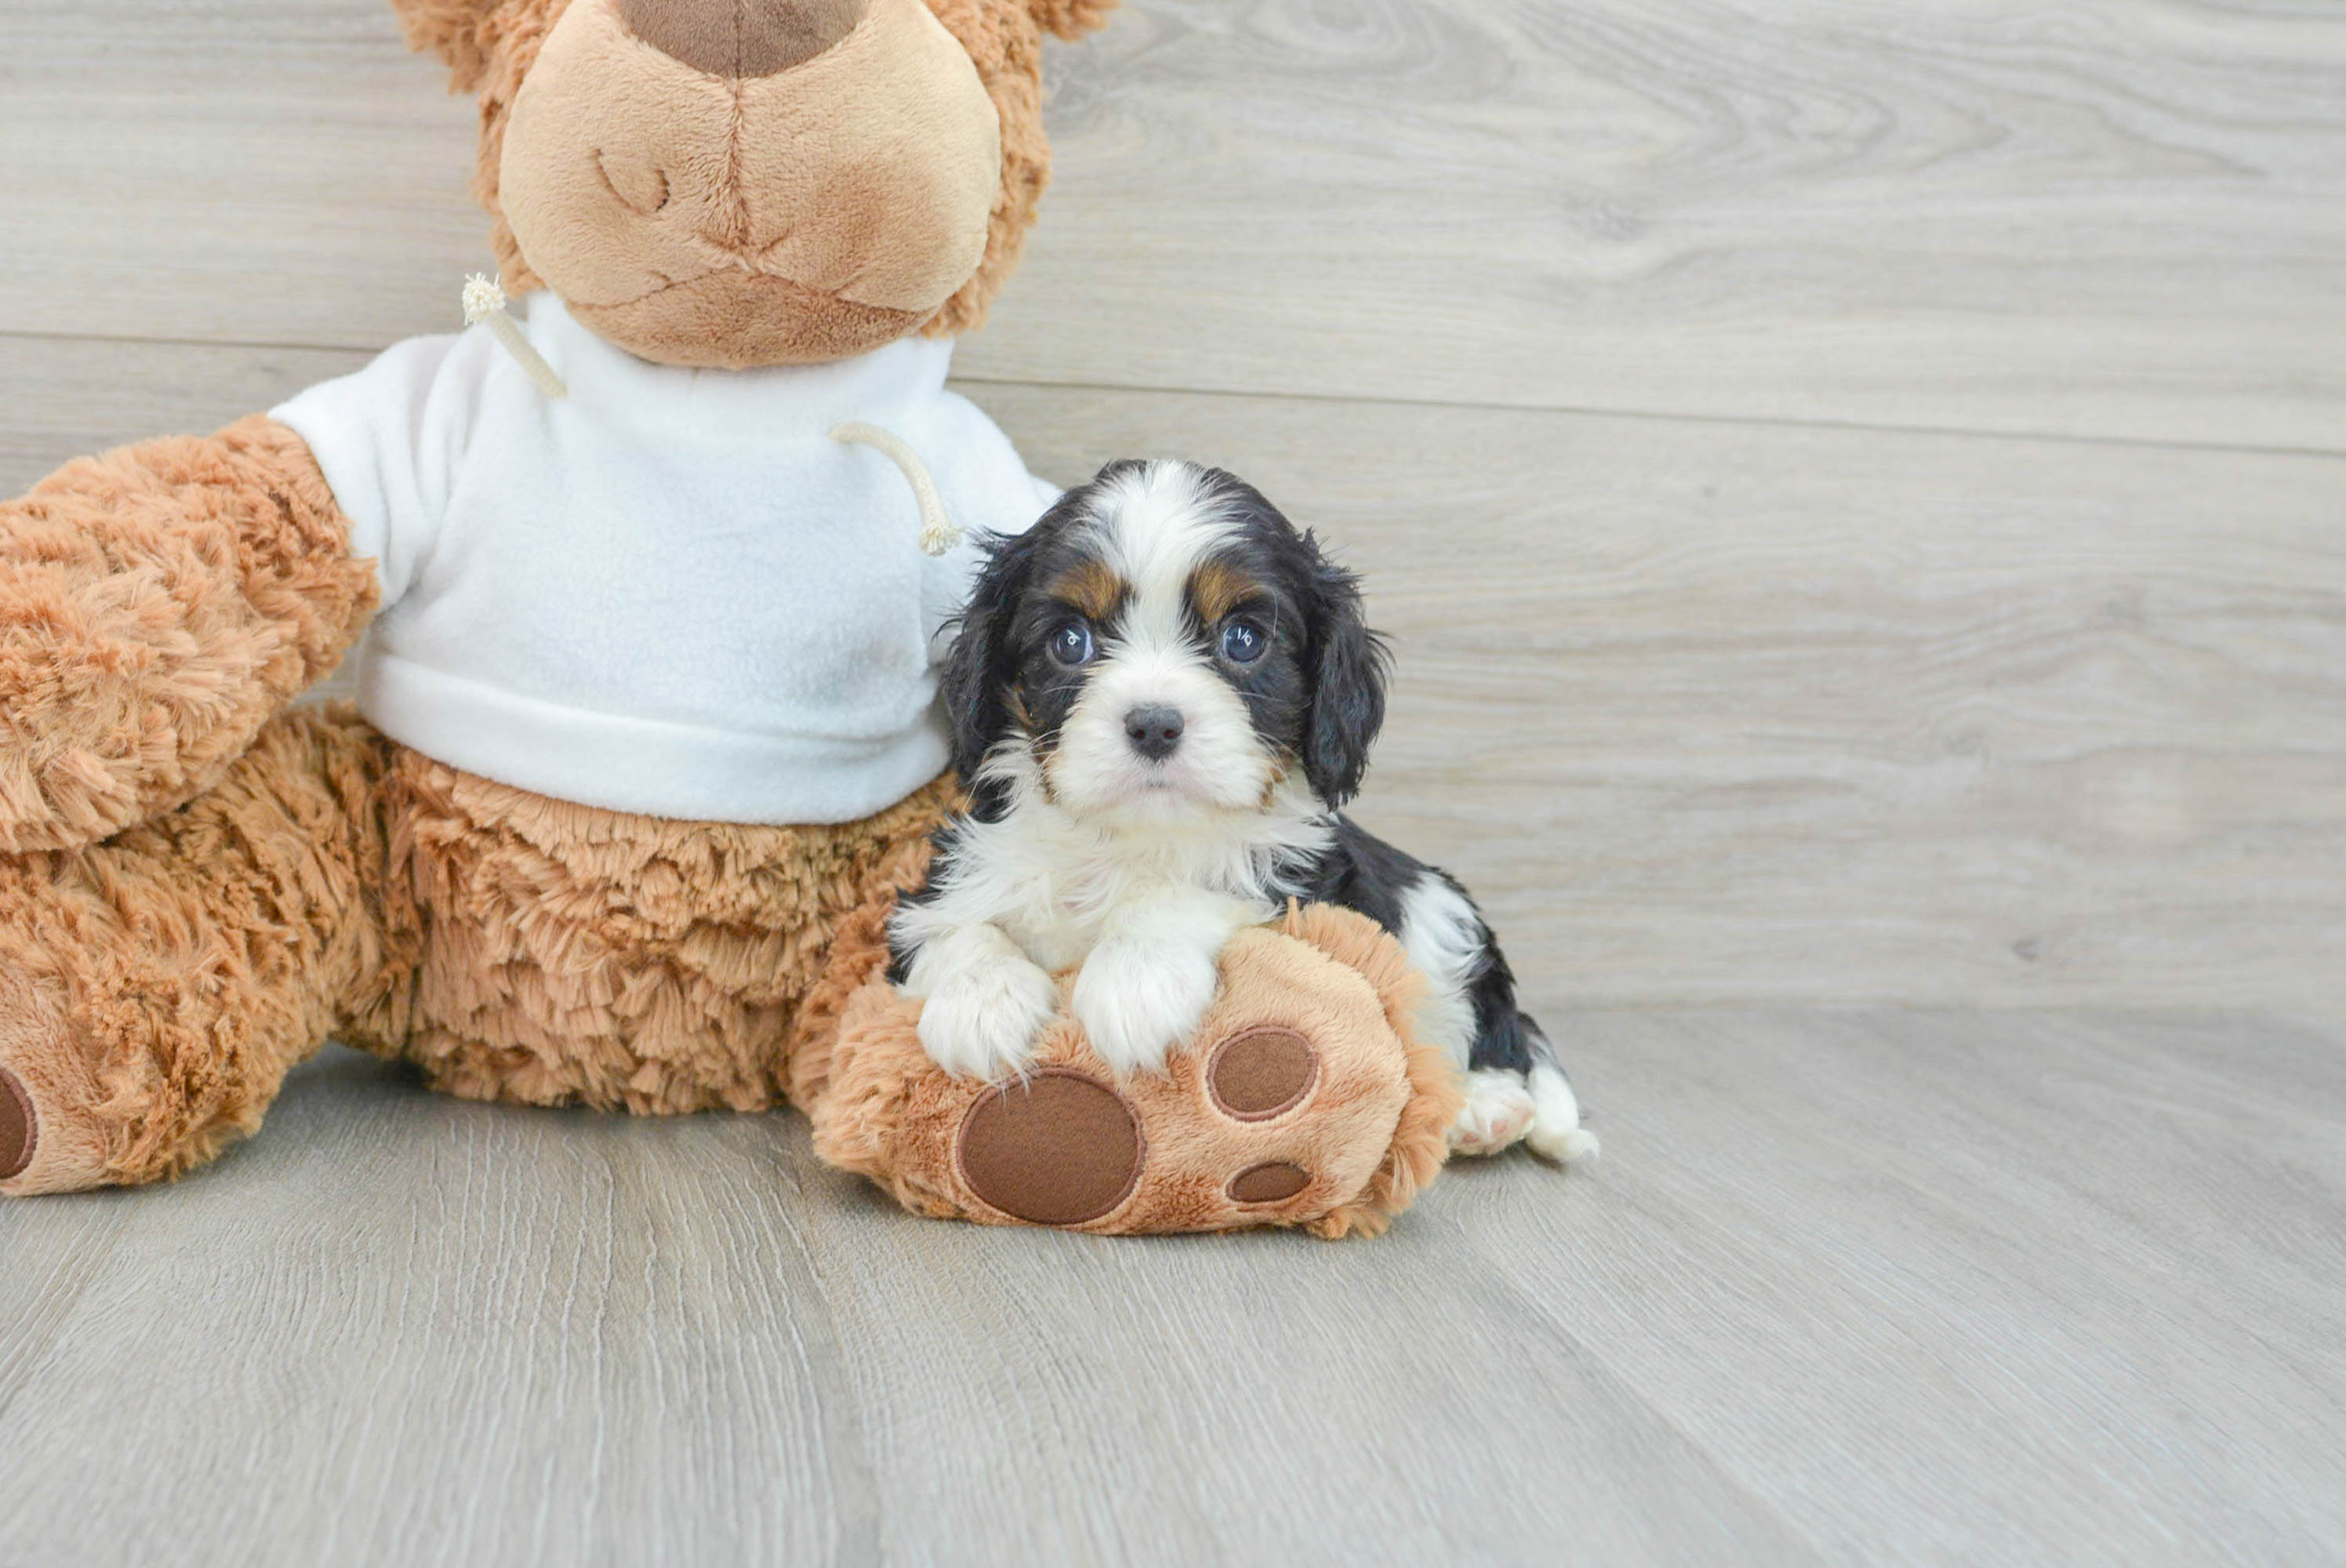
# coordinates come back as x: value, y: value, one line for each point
x: 154, y: 988
x: 1303, y: 1099
x: 575, y: 956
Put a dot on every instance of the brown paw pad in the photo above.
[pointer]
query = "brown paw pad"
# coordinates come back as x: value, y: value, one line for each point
x: 1261, y: 1072
x: 1060, y: 1148
x: 19, y: 1128
x: 1274, y: 1181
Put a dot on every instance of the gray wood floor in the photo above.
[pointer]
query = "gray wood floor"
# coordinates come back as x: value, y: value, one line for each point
x: 1930, y: 1286
x: 1858, y: 490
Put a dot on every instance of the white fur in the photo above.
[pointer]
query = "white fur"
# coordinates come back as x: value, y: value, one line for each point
x: 1154, y: 528
x: 1447, y: 941
x: 1131, y: 896
x: 981, y: 1001
x: 1499, y: 1111
x: 1446, y: 938
x: 1150, y: 979
x: 1218, y: 765
x: 1555, y: 1131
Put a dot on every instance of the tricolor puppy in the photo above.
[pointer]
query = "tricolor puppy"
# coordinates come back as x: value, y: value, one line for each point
x: 1159, y: 696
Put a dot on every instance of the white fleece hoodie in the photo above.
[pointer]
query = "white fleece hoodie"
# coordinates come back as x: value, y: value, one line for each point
x: 673, y: 591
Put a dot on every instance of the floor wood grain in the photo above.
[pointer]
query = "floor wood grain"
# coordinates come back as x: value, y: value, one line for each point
x: 1856, y: 487
x: 2110, y: 218
x: 1881, y: 1287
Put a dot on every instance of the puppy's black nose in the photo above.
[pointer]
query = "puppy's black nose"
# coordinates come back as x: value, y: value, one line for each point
x: 1154, y: 732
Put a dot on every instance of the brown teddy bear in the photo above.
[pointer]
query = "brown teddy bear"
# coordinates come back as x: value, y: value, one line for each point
x: 654, y: 584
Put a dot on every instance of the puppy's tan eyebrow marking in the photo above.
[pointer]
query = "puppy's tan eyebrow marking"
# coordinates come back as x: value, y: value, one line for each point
x: 1092, y: 587
x: 1218, y: 588
x: 1019, y: 715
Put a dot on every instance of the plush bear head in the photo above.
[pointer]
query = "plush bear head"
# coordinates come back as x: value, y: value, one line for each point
x: 757, y: 182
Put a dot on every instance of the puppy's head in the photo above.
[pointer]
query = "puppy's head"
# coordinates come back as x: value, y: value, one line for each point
x: 1163, y: 644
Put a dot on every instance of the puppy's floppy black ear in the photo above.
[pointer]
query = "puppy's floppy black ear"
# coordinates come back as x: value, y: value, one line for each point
x: 1348, y: 697
x: 976, y: 685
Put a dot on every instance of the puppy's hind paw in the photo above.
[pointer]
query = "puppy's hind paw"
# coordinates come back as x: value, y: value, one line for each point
x: 1499, y: 1113
x: 1555, y: 1131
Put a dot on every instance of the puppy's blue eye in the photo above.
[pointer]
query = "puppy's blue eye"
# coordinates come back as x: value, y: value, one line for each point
x: 1072, y: 645
x: 1243, y: 642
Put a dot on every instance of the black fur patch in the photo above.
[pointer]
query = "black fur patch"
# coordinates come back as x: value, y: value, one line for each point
x: 946, y: 843
x: 1361, y: 872
x: 1317, y: 696
x: 999, y: 678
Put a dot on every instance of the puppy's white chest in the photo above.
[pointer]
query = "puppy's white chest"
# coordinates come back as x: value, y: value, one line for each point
x: 1079, y: 906
x: 1092, y: 901
x: 1059, y: 946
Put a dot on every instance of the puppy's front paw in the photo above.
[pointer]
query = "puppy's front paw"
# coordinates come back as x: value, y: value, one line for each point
x: 1137, y: 1000
x: 980, y: 1021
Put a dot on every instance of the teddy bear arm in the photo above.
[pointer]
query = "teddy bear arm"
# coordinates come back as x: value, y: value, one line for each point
x: 158, y: 606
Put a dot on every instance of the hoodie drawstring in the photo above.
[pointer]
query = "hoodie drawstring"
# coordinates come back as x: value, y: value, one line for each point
x: 938, y: 534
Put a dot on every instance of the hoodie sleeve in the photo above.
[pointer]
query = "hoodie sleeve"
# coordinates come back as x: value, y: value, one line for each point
x: 390, y: 440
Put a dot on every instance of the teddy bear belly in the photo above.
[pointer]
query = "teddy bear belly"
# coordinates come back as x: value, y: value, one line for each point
x: 564, y: 954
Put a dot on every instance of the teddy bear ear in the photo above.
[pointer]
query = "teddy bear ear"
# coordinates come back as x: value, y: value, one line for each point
x: 1071, y: 18
x: 457, y: 31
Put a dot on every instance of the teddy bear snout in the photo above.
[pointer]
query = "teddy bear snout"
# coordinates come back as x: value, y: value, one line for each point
x: 751, y: 182
x: 742, y: 40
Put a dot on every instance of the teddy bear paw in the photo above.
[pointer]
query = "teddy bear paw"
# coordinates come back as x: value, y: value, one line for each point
x: 1059, y: 1148
x: 1297, y: 1101
x: 1235, y: 1141
x: 43, y: 1145
x: 20, y: 1126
